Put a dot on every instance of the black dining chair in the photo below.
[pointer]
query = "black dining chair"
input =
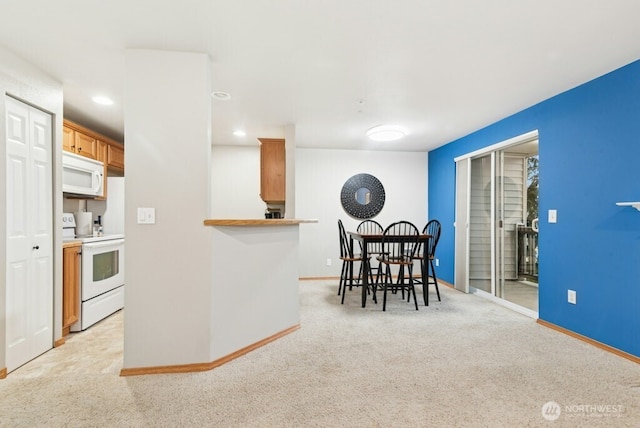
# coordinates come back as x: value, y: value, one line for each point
x: 427, y: 261
x: 398, y: 252
x: 372, y: 227
x: 348, y: 259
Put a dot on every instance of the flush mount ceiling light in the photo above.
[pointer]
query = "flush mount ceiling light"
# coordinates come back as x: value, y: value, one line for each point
x: 221, y: 96
x: 386, y: 133
x: 105, y: 101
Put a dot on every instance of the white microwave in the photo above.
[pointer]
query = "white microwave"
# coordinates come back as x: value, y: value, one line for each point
x: 82, y: 176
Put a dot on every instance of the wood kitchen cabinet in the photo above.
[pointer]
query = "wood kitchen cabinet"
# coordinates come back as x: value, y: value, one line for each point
x: 115, y: 156
x: 85, y: 142
x: 68, y: 139
x: 70, y: 285
x: 272, y: 170
x: 76, y: 142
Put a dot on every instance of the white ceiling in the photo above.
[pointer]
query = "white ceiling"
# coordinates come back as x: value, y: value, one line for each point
x: 333, y: 68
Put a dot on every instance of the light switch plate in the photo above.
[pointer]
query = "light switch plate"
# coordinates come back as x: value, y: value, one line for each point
x: 146, y: 215
x: 553, y: 216
x: 151, y: 216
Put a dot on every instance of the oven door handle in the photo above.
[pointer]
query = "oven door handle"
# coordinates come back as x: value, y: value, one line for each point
x: 101, y: 244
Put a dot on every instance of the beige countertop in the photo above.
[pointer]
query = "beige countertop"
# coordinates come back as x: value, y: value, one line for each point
x: 67, y: 243
x: 257, y: 222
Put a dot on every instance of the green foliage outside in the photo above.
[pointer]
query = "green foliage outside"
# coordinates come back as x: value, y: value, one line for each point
x: 532, y: 189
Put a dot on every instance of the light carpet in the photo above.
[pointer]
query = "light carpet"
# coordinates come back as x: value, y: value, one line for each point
x: 462, y: 362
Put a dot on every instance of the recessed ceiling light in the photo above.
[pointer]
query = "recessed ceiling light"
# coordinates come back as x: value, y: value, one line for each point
x: 239, y: 133
x: 386, y: 133
x: 221, y: 96
x: 105, y: 101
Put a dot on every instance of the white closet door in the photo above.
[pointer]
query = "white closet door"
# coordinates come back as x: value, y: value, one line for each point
x: 29, y: 282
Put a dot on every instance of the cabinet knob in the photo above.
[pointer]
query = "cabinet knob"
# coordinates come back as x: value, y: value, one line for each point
x: 37, y: 247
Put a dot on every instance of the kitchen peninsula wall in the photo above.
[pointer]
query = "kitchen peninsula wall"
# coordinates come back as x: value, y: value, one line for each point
x: 270, y: 299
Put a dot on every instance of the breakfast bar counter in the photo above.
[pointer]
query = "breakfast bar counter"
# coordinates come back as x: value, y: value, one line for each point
x: 257, y: 222
x: 255, y: 282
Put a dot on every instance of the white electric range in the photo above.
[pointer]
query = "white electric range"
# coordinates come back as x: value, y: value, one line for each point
x: 102, y: 277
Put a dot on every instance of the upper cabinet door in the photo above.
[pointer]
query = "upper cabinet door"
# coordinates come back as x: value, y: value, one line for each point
x: 79, y: 143
x: 68, y: 139
x: 86, y: 145
x: 115, y: 156
x: 272, y: 170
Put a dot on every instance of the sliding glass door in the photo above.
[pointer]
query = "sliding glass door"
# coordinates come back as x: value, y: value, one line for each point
x: 481, y: 224
x: 498, y: 209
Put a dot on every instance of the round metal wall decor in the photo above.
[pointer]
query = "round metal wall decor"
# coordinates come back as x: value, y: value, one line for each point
x: 362, y: 196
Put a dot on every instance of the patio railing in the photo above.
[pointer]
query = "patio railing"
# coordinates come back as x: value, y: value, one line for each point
x: 527, y: 252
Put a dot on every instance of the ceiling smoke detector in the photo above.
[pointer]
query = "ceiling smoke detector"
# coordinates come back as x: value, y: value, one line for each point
x: 386, y: 133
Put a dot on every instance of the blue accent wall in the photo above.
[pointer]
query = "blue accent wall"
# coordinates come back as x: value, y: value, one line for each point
x: 589, y: 148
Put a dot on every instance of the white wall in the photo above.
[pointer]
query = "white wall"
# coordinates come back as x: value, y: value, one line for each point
x: 290, y: 169
x: 320, y: 175
x: 168, y: 271
x: 27, y: 83
x: 235, y: 182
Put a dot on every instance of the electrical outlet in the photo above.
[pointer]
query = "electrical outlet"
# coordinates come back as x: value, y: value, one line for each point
x: 437, y: 262
x: 571, y: 296
x: 328, y: 262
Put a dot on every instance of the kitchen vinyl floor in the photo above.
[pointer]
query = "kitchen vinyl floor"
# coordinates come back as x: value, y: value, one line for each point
x: 99, y: 349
